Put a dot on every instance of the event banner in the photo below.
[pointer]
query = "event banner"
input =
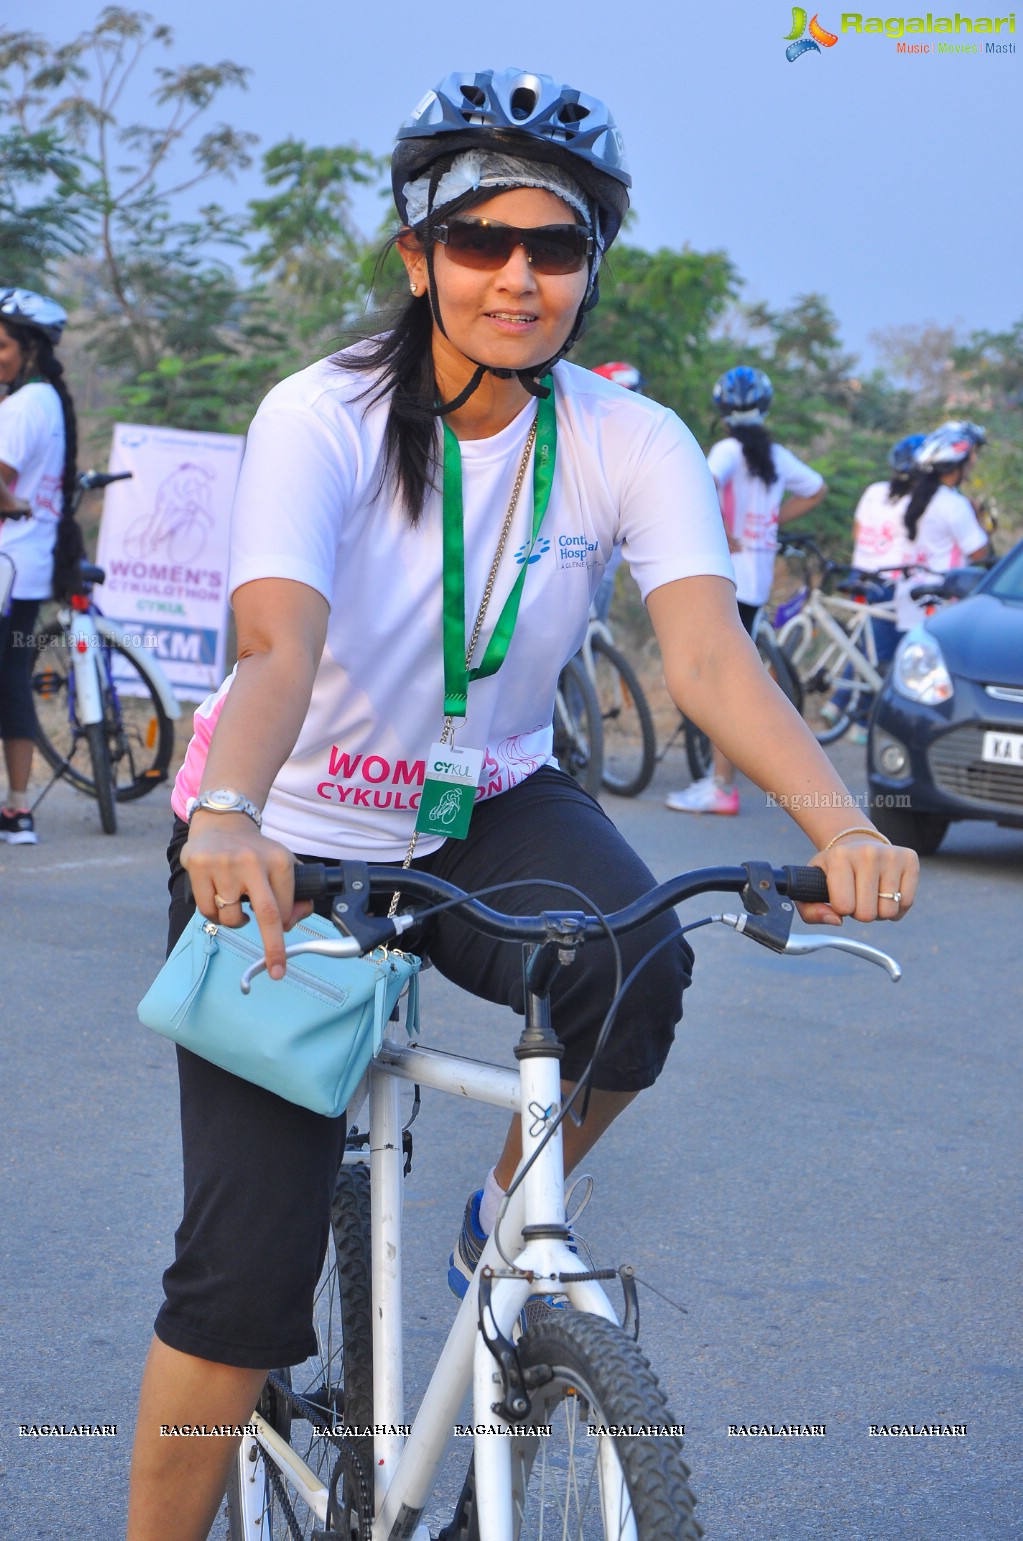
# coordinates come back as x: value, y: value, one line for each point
x: 164, y: 545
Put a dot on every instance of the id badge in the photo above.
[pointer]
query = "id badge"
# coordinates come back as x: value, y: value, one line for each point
x: 449, y: 791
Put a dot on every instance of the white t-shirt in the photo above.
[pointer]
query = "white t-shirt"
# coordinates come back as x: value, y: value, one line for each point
x: 310, y: 507
x: 947, y: 536
x: 32, y: 444
x: 750, y: 510
x: 880, y: 530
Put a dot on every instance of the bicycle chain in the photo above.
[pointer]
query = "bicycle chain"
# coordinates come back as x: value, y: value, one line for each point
x: 357, y: 1486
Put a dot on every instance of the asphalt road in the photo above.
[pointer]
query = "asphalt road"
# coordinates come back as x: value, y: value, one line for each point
x: 824, y: 1178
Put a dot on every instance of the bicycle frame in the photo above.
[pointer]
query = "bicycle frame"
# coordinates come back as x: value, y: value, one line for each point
x: 844, y: 640
x: 405, y: 1468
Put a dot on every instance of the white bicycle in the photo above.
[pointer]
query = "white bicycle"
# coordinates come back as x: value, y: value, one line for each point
x: 105, y: 711
x: 571, y: 1434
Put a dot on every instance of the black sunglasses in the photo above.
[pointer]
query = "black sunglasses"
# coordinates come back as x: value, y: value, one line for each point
x: 549, y: 249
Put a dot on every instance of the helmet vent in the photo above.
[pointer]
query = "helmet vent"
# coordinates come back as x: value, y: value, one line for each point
x: 475, y: 96
x: 573, y: 112
x: 523, y: 102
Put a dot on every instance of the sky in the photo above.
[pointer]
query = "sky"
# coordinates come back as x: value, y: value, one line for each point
x: 888, y: 182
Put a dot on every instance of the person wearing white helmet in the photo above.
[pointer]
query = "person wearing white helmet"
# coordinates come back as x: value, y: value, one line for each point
x: 942, y: 530
x: 38, y: 445
x: 385, y: 496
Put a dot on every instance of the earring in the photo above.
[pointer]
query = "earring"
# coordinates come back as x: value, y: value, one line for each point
x: 414, y: 288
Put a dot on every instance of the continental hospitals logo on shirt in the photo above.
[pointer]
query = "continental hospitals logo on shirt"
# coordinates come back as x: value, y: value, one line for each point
x: 799, y: 44
x: 933, y: 35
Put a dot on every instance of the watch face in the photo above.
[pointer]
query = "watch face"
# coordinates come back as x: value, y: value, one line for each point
x: 223, y: 799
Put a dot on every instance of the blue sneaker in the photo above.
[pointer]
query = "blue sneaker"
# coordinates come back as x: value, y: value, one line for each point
x: 472, y: 1239
x: 469, y: 1247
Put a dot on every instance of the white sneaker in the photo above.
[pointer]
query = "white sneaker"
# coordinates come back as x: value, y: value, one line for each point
x: 704, y: 797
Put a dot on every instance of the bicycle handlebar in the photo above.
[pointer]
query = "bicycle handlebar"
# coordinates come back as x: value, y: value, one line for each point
x: 89, y: 481
x: 806, y: 885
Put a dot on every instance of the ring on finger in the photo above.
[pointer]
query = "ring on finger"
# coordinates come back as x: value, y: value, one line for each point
x: 225, y: 904
x: 896, y: 897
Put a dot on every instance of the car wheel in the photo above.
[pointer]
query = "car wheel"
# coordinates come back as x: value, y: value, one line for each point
x: 922, y: 832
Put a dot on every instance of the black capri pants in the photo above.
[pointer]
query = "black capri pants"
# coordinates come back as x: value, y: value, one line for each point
x: 259, y: 1172
x: 17, y: 656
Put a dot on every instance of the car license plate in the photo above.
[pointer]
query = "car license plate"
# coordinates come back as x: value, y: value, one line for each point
x: 1003, y: 748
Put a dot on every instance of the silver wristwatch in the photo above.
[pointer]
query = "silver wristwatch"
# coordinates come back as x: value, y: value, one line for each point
x: 225, y: 800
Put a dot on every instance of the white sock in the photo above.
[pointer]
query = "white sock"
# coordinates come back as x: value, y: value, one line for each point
x: 490, y: 1203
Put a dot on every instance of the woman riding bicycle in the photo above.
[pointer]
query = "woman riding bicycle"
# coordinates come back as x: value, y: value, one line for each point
x: 38, y: 446
x: 941, y: 528
x: 753, y: 476
x: 451, y: 467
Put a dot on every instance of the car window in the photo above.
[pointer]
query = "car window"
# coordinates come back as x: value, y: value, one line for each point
x: 1007, y: 583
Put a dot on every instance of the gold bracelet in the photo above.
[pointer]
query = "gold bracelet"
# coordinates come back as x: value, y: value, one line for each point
x: 857, y: 829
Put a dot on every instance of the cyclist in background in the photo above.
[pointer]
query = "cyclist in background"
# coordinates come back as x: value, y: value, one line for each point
x: 38, y: 447
x: 363, y: 536
x: 629, y: 377
x: 761, y: 485
x: 942, y: 529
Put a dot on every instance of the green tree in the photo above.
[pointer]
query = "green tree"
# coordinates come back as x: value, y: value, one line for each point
x: 659, y: 311
x: 130, y: 174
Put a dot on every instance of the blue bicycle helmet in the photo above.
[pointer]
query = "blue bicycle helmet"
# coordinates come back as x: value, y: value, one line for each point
x: 743, y: 395
x: 521, y: 114
x: 901, y: 456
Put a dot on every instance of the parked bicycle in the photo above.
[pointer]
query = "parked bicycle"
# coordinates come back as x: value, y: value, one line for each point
x: 630, y: 744
x: 829, y: 641
x: 571, y: 1434
x: 105, y: 712
x: 579, y: 728
x: 699, y: 749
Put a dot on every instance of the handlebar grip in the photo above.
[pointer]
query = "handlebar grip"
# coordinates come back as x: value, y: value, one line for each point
x: 310, y: 880
x: 807, y: 885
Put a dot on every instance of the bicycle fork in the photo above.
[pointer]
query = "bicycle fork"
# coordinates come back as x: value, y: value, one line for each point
x: 85, y: 666
x: 532, y: 1231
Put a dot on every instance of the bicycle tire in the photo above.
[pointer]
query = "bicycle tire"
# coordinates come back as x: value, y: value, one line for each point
x: 140, y: 735
x: 630, y: 744
x: 578, y: 730
x: 335, y: 1388
x: 102, y: 776
x: 599, y: 1377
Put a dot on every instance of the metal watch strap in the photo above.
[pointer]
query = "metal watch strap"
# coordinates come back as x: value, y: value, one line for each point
x: 238, y: 804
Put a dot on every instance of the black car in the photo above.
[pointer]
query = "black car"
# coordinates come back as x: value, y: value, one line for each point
x: 946, y: 736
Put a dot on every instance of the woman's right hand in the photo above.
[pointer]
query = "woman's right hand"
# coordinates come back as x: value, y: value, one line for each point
x: 227, y: 858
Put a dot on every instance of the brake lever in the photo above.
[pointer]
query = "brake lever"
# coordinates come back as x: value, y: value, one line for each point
x: 799, y: 946
x: 329, y: 947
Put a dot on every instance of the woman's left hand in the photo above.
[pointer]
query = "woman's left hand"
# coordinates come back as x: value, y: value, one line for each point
x: 866, y: 880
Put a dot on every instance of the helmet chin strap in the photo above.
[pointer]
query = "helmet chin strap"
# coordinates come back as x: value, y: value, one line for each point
x: 530, y: 379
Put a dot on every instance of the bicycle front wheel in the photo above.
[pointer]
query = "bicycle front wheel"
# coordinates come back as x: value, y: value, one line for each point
x: 630, y: 747
x: 602, y: 1461
x: 318, y: 1406
x: 139, y: 734
x: 578, y: 730
x: 102, y: 776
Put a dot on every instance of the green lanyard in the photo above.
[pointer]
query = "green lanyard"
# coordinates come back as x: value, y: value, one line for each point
x: 457, y: 674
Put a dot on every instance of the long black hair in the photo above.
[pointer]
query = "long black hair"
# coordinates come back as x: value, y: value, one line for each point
x: 399, y: 354
x: 756, y: 451
x: 924, y: 488
x: 40, y: 359
x: 901, y: 483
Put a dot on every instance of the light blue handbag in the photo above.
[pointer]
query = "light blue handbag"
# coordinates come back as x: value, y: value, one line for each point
x: 308, y: 1037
